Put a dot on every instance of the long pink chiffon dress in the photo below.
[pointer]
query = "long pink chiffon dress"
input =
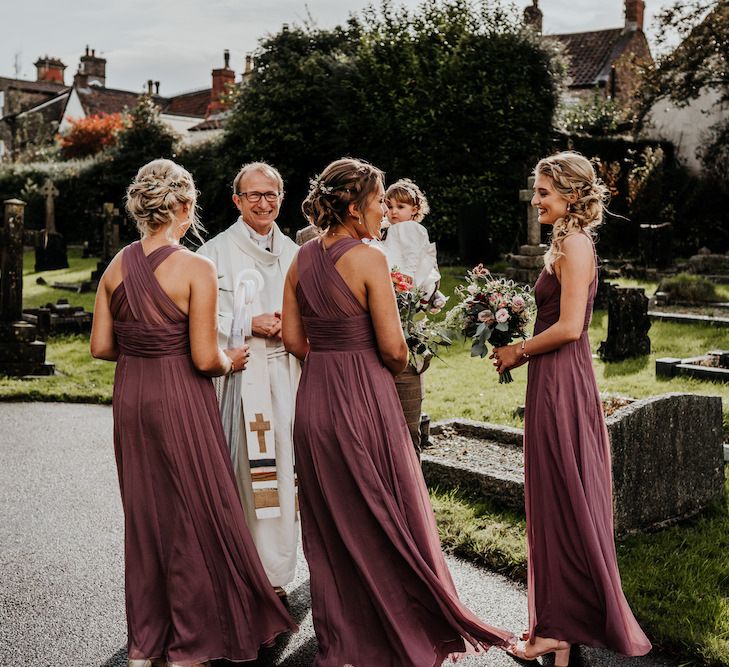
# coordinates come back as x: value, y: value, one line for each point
x: 195, y: 587
x: 380, y: 589
x: 574, y: 585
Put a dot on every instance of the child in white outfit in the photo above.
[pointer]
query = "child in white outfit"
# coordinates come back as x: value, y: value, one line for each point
x: 406, y: 243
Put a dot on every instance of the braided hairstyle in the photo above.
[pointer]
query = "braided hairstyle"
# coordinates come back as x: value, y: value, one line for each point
x: 156, y: 194
x: 572, y: 175
x: 406, y: 191
x: 344, y: 182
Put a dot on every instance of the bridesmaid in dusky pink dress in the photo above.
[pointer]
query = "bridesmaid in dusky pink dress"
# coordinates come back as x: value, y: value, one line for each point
x: 381, y: 593
x: 575, y: 593
x: 195, y: 586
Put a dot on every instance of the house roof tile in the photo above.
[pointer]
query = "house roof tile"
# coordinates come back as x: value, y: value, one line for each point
x: 592, y: 53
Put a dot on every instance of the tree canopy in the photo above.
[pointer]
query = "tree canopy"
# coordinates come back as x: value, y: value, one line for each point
x: 456, y: 95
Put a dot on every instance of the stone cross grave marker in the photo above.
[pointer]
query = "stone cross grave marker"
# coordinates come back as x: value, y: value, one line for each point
x: 50, y: 192
x: 534, y: 231
x: 111, y: 232
x: 50, y: 251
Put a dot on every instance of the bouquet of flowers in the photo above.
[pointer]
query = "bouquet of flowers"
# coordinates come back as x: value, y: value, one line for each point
x: 491, y: 310
x: 422, y: 335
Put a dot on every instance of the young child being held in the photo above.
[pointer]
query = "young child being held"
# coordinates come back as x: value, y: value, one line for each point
x: 406, y: 243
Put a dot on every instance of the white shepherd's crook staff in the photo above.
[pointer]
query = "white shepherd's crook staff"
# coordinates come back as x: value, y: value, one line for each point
x: 245, y: 289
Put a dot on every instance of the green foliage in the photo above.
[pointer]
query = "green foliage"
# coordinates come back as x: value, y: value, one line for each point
x: 144, y: 137
x: 454, y: 95
x: 596, y: 115
x: 689, y: 288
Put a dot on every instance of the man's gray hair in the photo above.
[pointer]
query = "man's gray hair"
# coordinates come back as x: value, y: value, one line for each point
x: 261, y: 167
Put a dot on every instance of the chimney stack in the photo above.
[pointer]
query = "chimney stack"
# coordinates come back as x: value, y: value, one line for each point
x: 533, y: 17
x: 93, y: 68
x: 634, y: 10
x: 223, y: 78
x: 156, y: 87
x: 150, y: 84
x: 49, y: 70
x: 248, y: 70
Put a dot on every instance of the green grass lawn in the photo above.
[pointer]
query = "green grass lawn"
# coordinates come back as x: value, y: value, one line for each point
x: 80, y: 269
x: 676, y: 580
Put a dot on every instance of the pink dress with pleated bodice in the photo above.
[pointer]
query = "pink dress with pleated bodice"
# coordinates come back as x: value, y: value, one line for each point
x: 195, y: 587
x: 574, y: 585
x: 380, y: 588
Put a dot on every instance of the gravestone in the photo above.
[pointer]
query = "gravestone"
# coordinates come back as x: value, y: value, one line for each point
x: 656, y: 245
x: 306, y: 234
x: 666, y: 451
x: 50, y: 250
x: 110, y: 245
x: 628, y: 325
x: 20, y: 352
x: 527, y: 264
x: 707, y: 263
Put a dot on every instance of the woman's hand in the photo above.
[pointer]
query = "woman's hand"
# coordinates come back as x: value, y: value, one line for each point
x: 507, y: 357
x: 238, y: 356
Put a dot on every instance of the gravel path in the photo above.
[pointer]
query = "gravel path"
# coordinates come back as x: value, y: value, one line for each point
x: 61, y: 566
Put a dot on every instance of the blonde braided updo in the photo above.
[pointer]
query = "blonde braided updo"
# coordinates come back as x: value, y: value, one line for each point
x: 156, y: 194
x: 344, y: 182
x: 573, y: 176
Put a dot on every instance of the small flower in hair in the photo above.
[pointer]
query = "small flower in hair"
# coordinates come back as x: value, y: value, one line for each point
x: 318, y: 186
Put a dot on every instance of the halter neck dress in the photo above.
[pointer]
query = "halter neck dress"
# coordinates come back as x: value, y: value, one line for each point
x: 574, y: 587
x: 195, y: 587
x: 380, y: 588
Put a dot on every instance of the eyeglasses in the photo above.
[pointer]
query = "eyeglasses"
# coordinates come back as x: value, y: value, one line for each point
x: 255, y: 197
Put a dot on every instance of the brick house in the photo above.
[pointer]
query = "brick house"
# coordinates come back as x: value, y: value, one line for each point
x: 49, y: 103
x: 601, y: 61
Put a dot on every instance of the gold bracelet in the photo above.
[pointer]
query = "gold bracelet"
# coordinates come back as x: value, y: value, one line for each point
x: 523, y: 350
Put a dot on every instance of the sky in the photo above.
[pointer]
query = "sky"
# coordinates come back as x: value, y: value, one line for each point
x: 178, y: 42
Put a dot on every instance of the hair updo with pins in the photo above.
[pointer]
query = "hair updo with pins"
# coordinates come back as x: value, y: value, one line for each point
x: 574, y: 178
x: 156, y: 194
x: 344, y: 182
x: 407, y: 192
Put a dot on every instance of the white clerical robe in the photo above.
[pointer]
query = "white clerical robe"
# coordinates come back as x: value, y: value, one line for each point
x: 233, y: 251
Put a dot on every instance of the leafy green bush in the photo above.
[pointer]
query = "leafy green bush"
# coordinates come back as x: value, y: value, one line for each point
x: 688, y: 288
x: 455, y: 95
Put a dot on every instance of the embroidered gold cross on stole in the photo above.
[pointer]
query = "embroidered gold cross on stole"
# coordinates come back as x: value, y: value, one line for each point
x: 259, y: 427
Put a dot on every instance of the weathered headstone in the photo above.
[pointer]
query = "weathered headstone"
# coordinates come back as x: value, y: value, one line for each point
x: 667, y: 460
x: 707, y: 263
x: 628, y: 325
x: 50, y: 251
x: 306, y: 234
x: 20, y: 352
x: 656, y: 245
x: 527, y: 264
x: 110, y: 244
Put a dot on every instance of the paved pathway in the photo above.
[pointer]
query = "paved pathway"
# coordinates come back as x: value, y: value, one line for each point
x: 61, y: 568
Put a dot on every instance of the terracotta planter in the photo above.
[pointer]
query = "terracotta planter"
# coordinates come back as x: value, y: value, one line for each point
x: 409, y: 385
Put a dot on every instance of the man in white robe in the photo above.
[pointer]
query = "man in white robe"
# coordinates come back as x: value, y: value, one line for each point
x: 255, y: 241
